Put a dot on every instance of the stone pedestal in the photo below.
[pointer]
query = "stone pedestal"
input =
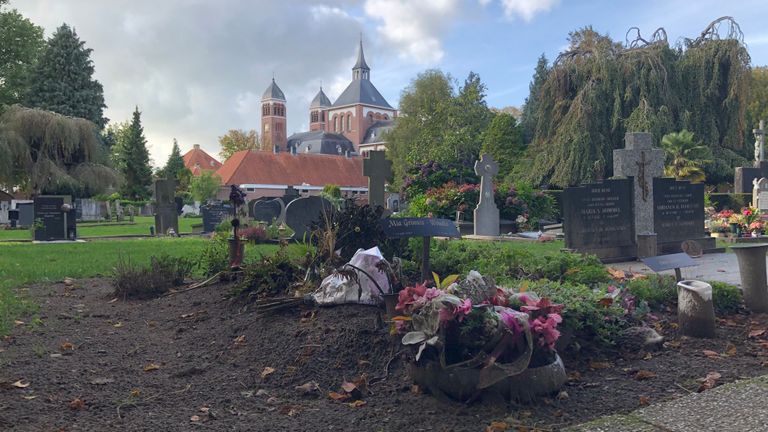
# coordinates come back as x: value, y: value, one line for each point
x: 695, y: 311
x: 753, y: 278
x: 646, y: 246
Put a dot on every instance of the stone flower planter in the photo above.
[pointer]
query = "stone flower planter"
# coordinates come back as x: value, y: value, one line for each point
x: 460, y: 383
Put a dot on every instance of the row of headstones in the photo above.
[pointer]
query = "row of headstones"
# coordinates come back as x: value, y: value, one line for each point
x: 637, y: 213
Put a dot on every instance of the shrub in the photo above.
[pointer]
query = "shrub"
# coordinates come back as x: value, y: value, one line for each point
x: 588, y: 320
x: 224, y: 228
x: 268, y: 276
x: 657, y: 290
x: 725, y: 297
x: 215, y: 256
x: 255, y: 234
x: 163, y: 273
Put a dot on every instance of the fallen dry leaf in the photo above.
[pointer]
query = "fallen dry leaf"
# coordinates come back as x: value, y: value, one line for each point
x: 194, y: 418
x: 77, y: 404
x: 307, y: 388
x: 102, y: 381
x: 113, y: 300
x: 644, y: 400
x: 709, y: 381
x: 239, y: 341
x: 348, y: 387
x: 647, y: 356
x: 204, y: 410
x: 672, y: 344
x: 574, y: 376
x: 267, y: 372
x: 338, y: 396
x: 19, y: 384
x: 711, y: 354
x: 135, y: 392
x: 18, y: 323
x: 358, y: 403
x: 289, y: 410
x: 497, y: 426
x: 117, y: 325
x: 757, y: 333
x: 599, y: 365
x: 616, y: 273
x: 642, y: 375
x: 151, y: 367
x: 67, y: 346
x: 730, y: 350
x: 28, y: 397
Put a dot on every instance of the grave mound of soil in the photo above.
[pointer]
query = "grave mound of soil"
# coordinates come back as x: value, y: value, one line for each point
x: 196, y: 361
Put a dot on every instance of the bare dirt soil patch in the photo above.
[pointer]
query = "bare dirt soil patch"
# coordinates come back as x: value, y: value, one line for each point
x: 197, y: 361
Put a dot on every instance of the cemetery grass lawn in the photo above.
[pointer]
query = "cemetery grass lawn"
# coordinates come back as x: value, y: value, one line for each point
x: 27, y: 263
x: 140, y: 226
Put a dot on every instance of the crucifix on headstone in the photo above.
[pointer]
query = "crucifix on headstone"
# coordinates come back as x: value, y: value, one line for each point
x: 378, y: 170
x: 486, y: 212
x: 759, y: 143
x: 643, y: 162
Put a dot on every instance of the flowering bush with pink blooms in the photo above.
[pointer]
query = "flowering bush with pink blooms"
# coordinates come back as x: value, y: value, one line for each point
x: 473, y: 319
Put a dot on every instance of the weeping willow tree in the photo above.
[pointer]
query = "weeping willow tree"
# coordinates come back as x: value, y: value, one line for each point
x: 598, y: 89
x: 42, y: 152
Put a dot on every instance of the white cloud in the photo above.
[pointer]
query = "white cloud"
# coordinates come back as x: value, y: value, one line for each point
x: 414, y: 27
x: 526, y: 9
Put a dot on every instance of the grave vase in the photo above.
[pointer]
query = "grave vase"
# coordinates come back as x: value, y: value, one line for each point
x: 751, y: 257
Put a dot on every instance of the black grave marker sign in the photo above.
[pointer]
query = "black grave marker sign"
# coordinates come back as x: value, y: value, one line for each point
x: 420, y: 227
x: 669, y: 262
x: 214, y: 214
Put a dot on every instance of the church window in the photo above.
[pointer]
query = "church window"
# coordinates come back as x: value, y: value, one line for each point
x: 386, y: 117
x: 265, y: 110
x: 335, y: 123
x: 314, y: 118
x: 370, y: 116
x: 349, y: 122
x: 266, y: 128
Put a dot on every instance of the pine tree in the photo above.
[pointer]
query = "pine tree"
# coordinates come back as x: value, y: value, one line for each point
x: 135, y: 161
x: 175, y: 163
x: 528, y: 121
x: 62, y: 81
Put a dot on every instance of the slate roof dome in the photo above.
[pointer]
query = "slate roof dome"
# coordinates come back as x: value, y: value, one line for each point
x: 273, y: 92
x: 320, y: 100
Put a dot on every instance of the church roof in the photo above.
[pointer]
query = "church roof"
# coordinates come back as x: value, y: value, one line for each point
x: 197, y: 161
x: 273, y: 92
x: 376, y: 131
x: 361, y: 91
x: 320, y: 142
x: 258, y: 167
x: 320, y: 100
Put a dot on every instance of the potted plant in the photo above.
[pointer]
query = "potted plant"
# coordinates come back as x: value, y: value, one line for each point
x: 473, y: 336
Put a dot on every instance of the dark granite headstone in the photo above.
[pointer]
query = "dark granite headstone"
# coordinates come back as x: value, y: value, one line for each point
x: 302, y: 213
x: 26, y: 214
x: 290, y: 195
x: 215, y: 213
x: 678, y: 214
x: 598, y: 219
x: 742, y: 179
x: 56, y: 217
x: 267, y: 210
x: 166, y: 211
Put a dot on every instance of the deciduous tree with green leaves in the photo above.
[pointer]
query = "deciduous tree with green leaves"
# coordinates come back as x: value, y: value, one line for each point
x: 21, y: 42
x: 205, y: 186
x: 236, y: 140
x: 134, y: 161
x: 503, y: 139
x: 62, y: 80
x: 437, y: 122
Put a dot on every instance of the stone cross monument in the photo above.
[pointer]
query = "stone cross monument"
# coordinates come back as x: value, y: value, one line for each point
x: 486, y: 212
x: 759, y: 143
x: 641, y: 161
x: 378, y: 170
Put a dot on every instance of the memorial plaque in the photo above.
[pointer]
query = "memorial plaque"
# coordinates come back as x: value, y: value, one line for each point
x: 669, y: 262
x: 419, y: 227
x: 26, y: 215
x: 166, y: 212
x: 214, y: 214
x: 598, y: 219
x: 5, y: 206
x: 678, y: 210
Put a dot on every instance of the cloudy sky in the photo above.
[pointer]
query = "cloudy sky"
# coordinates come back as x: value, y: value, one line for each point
x: 196, y: 68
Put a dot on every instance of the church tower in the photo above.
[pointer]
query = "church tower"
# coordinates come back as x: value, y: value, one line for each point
x: 273, y: 125
x: 317, y: 111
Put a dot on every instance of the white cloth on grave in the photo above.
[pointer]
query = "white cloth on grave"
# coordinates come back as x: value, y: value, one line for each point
x: 337, y: 290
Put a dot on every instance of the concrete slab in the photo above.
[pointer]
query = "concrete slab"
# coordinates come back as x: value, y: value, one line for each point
x: 711, y: 267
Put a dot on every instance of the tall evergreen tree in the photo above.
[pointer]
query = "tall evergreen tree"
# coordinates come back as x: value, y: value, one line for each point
x: 135, y: 161
x: 21, y: 42
x: 62, y: 81
x: 175, y: 163
x: 503, y: 139
x: 528, y: 121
